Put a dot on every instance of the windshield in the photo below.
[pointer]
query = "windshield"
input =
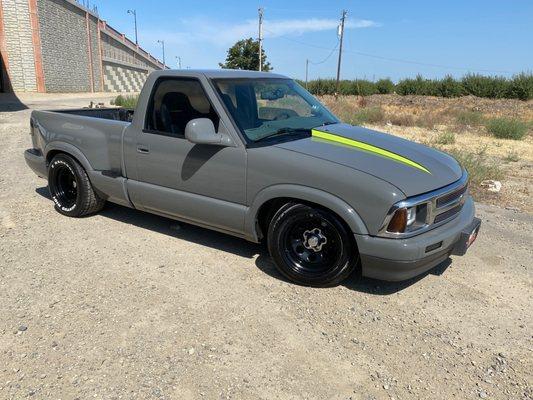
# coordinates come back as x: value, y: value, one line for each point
x: 265, y: 108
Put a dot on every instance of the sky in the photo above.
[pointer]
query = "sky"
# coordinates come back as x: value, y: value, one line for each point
x: 385, y: 38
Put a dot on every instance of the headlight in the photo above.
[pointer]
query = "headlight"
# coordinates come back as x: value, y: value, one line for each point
x: 418, y: 214
x: 407, y: 219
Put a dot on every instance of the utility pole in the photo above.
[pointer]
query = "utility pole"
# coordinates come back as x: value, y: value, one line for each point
x: 134, y: 13
x: 341, y: 33
x: 178, y: 59
x: 162, y: 42
x: 260, y: 38
x: 306, y: 71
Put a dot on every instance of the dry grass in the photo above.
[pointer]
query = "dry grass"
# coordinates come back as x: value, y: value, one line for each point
x: 457, y: 126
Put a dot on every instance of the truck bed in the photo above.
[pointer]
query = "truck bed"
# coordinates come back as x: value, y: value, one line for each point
x: 116, y: 114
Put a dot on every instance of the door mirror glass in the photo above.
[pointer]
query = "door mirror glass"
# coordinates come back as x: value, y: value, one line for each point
x: 202, y: 131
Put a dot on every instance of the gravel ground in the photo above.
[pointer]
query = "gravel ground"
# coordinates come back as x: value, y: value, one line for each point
x: 129, y: 305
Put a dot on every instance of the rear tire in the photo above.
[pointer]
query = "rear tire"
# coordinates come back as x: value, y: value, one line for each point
x: 311, y: 246
x: 70, y: 188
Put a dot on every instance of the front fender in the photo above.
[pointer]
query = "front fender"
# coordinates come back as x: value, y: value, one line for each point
x: 304, y: 193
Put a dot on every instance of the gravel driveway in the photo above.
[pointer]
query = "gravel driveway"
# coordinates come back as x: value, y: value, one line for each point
x: 127, y: 305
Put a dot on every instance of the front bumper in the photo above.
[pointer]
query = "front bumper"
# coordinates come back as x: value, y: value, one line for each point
x: 36, y: 162
x: 401, y: 259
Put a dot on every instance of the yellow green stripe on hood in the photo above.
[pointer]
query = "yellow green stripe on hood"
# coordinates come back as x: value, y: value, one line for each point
x: 367, y: 147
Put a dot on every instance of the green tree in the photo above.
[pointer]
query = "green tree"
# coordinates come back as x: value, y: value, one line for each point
x: 244, y: 55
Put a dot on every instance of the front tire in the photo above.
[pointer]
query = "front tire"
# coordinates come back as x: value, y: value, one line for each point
x: 70, y: 188
x: 311, y: 246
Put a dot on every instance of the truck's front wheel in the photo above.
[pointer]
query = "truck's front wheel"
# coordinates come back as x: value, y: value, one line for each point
x: 311, y: 246
x: 71, y: 189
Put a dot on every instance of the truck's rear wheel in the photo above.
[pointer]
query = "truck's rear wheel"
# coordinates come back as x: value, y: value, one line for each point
x: 311, y: 246
x: 71, y: 189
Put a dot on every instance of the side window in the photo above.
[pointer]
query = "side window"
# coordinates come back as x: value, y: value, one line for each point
x: 174, y: 102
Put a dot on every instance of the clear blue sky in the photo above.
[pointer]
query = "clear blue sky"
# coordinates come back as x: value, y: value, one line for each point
x: 486, y: 36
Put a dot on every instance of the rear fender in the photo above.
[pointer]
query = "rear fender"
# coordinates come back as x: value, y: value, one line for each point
x: 71, y: 150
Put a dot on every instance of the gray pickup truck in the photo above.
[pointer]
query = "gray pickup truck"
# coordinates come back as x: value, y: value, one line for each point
x: 256, y: 156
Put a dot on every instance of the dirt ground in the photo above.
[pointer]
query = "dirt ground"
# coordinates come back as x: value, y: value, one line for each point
x: 127, y: 305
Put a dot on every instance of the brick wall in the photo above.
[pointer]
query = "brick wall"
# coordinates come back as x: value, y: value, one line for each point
x: 19, y: 45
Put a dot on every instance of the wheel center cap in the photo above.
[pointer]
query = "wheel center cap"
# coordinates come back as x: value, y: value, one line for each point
x: 314, y: 239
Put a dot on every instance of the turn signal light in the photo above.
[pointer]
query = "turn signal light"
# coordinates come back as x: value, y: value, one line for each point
x: 398, y: 222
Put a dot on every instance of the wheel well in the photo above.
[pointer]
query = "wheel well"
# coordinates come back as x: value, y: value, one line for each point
x: 269, y: 208
x: 52, y: 153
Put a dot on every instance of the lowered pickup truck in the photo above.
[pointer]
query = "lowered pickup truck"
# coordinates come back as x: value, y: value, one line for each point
x: 256, y: 156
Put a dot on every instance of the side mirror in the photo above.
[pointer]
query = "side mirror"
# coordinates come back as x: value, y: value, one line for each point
x: 202, y: 131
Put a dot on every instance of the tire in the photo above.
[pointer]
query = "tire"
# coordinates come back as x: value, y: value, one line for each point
x: 70, y: 188
x: 311, y: 246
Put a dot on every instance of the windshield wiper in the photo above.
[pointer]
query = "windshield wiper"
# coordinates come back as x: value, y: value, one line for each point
x: 283, y: 131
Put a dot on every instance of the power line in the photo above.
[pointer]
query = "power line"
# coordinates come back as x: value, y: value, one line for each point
x: 327, y: 58
x: 391, y: 59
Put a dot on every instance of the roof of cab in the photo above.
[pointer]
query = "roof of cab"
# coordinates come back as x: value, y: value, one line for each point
x: 218, y: 73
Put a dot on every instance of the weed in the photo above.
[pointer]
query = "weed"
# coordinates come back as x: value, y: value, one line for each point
x: 478, y: 166
x: 446, y: 138
x: 402, y: 119
x: 507, y: 128
x: 469, y: 118
x: 371, y: 115
x: 512, y: 156
x: 129, y: 101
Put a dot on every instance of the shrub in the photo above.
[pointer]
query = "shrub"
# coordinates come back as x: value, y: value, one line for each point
x: 129, y: 101
x: 384, y: 86
x: 446, y: 138
x: 448, y: 87
x: 521, y: 87
x: 494, y: 87
x: 507, y: 128
x: 471, y: 118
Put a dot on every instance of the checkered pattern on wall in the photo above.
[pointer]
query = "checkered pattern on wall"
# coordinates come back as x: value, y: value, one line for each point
x: 123, y: 79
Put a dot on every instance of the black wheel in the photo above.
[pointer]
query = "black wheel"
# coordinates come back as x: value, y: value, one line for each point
x: 71, y: 189
x: 311, y: 246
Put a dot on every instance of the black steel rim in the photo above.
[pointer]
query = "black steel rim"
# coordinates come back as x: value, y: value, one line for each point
x: 316, y: 260
x: 66, y: 187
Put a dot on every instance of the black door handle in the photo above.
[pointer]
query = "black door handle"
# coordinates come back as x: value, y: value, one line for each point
x: 143, y: 150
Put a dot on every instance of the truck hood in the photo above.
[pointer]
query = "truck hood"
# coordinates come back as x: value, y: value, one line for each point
x: 411, y: 167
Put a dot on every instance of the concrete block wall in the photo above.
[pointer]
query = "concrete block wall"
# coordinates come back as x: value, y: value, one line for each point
x: 119, y: 78
x: 65, y: 50
x: 59, y: 46
x: 125, y: 70
x: 19, y: 45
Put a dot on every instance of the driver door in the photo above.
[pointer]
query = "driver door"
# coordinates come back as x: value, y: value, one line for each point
x: 204, y: 184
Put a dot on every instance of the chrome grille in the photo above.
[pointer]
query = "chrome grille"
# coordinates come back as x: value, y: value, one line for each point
x: 448, y: 205
x: 449, y: 198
